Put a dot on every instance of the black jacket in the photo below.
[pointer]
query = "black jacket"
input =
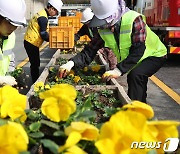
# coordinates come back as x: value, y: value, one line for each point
x: 86, y: 56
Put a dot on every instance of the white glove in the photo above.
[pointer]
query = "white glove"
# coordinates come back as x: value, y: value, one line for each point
x: 67, y: 66
x: 7, y: 80
x: 115, y: 73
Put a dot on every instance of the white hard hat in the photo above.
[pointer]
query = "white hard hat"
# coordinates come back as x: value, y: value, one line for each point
x: 87, y: 15
x: 57, y: 4
x: 13, y: 11
x: 102, y: 9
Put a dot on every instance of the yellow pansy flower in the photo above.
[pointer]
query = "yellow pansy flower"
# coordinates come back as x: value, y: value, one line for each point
x: 13, y: 138
x: 73, y: 139
x: 96, y: 68
x: 87, y: 131
x: 5, y: 91
x: 47, y: 87
x: 71, y: 72
x: 62, y: 108
x: 56, y: 78
x: 51, y: 68
x: 13, y: 105
x: 71, y: 75
x: 60, y: 91
x: 163, y: 130
x: 115, y: 136
x: 38, y: 86
x: 85, y: 69
x: 140, y: 107
x: 76, y: 79
x: 75, y: 150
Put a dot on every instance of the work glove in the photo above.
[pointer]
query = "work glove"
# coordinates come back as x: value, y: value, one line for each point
x: 115, y: 73
x: 7, y: 80
x: 65, y: 68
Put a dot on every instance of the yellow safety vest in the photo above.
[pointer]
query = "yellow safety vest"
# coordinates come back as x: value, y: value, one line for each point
x: 33, y: 31
x: 6, y: 53
x: 154, y: 47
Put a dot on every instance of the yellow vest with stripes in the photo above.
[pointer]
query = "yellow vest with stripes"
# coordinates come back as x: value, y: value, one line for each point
x: 33, y: 31
x: 6, y: 53
x: 154, y: 47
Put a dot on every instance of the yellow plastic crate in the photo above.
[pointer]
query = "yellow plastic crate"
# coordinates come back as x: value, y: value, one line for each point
x: 68, y: 21
x: 79, y: 14
x: 61, y: 37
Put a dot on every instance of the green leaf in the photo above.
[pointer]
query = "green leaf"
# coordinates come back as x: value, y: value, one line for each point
x: 3, y: 122
x: 36, y: 135
x: 87, y: 105
x: 51, y: 145
x: 50, y: 124
x: 59, y: 133
x: 110, y: 111
x: 31, y: 140
x: 32, y: 115
x: 87, y: 114
x: 34, y: 127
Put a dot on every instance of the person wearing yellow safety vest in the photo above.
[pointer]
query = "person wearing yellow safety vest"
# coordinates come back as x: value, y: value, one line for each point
x: 139, y: 51
x: 12, y: 15
x: 87, y: 15
x: 91, y: 32
x: 37, y: 33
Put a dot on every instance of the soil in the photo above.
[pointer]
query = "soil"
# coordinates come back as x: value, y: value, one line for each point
x: 105, y: 100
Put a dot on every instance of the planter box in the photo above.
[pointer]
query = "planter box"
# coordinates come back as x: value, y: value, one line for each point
x: 120, y: 91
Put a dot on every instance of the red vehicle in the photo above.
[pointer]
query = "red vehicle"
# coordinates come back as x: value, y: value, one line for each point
x: 163, y: 17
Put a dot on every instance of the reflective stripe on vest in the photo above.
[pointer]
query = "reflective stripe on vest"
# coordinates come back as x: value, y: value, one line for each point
x: 110, y: 41
x: 157, y: 49
x: 6, y: 53
x: 33, y: 31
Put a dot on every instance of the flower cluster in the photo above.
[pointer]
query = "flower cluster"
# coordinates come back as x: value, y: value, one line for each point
x: 12, y: 103
x: 13, y: 138
x: 61, y: 100
x: 131, y: 124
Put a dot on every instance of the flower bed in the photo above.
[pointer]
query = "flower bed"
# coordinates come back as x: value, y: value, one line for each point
x: 90, y: 75
x: 65, y: 123
x: 100, y: 101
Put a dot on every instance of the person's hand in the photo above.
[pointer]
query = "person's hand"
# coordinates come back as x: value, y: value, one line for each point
x: 65, y: 68
x: 115, y: 73
x: 7, y: 80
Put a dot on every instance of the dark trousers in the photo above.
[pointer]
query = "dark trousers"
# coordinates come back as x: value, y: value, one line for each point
x: 34, y: 59
x: 137, y: 79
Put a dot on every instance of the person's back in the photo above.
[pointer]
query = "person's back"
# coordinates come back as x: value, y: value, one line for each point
x: 37, y: 33
x: 33, y: 33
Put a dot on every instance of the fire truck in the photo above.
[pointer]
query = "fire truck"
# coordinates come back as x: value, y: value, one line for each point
x: 163, y: 17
